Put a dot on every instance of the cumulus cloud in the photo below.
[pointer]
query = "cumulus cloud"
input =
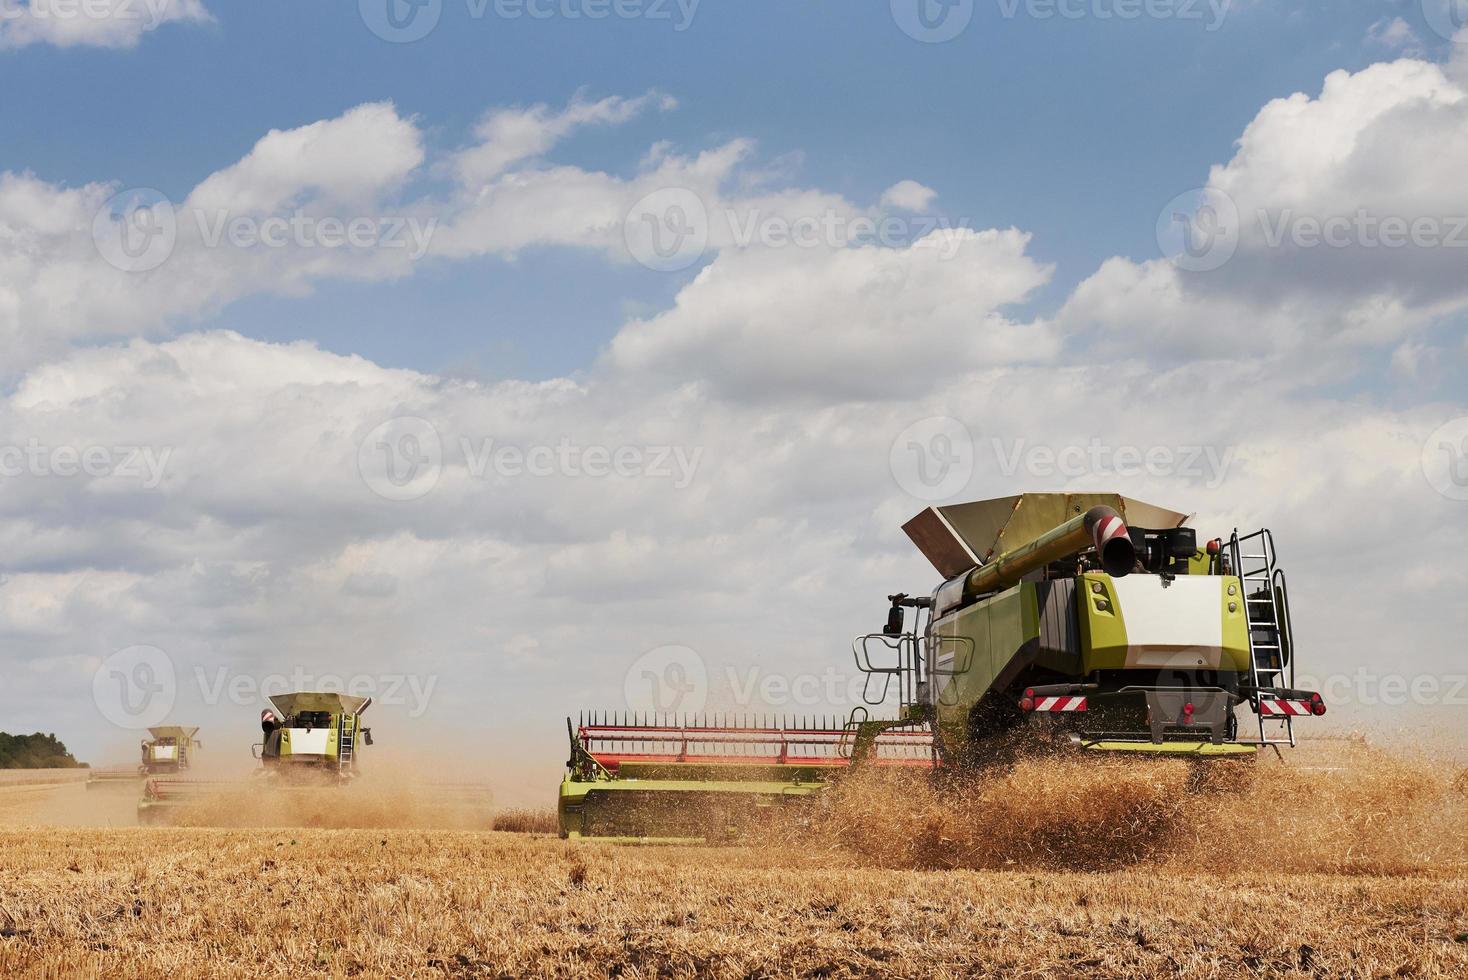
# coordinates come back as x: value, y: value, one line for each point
x: 352, y: 197
x: 908, y: 195
x: 95, y: 23
x: 1341, y: 217
x: 846, y: 322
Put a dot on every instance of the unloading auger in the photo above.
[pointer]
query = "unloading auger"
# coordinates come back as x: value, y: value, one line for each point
x: 1087, y: 622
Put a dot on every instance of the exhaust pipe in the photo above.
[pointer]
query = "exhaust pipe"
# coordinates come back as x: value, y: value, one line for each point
x: 1100, y: 527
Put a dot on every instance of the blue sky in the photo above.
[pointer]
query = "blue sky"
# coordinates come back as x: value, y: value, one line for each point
x: 1074, y: 129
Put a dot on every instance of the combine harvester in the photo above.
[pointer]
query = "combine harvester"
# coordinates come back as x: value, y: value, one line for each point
x: 168, y: 749
x: 312, y: 744
x: 1086, y: 622
x: 310, y: 739
x: 313, y: 736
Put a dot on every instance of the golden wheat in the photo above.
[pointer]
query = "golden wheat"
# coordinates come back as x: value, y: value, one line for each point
x: 1355, y: 868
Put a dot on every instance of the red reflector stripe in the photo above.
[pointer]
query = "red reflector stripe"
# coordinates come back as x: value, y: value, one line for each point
x: 1279, y: 708
x: 1060, y: 704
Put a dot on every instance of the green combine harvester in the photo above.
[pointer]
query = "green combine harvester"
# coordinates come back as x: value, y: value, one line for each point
x: 169, y: 748
x: 1075, y: 622
x: 313, y: 734
x: 310, y: 739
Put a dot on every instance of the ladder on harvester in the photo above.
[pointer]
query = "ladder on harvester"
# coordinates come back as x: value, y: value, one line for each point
x: 1271, y: 639
x: 346, y: 745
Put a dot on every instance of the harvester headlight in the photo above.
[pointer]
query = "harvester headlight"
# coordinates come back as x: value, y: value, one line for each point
x: 1233, y: 590
x: 1096, y: 587
x: 1233, y: 607
x: 1103, y: 605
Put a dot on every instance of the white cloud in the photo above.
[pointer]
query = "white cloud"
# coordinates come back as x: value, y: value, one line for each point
x: 1352, y: 227
x: 853, y: 322
x: 94, y: 23
x: 1394, y: 34
x: 512, y: 136
x: 908, y: 195
x: 353, y: 159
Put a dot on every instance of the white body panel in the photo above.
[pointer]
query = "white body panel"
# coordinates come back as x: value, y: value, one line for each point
x: 164, y: 753
x: 1175, y: 623
x: 310, y: 741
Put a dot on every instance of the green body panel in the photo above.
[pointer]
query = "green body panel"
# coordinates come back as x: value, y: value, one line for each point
x: 1103, y: 624
x: 1235, y: 628
x: 979, y: 641
x: 626, y: 810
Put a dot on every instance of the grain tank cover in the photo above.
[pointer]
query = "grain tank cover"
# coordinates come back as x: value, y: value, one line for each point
x: 290, y: 705
x: 958, y: 537
x: 179, y: 732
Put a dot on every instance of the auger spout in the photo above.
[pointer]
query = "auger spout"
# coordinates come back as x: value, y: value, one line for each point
x: 1100, y: 527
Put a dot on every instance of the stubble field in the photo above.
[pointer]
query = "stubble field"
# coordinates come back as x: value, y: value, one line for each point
x: 1047, y: 870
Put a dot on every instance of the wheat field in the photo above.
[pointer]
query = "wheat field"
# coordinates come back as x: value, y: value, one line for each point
x: 1131, y: 871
